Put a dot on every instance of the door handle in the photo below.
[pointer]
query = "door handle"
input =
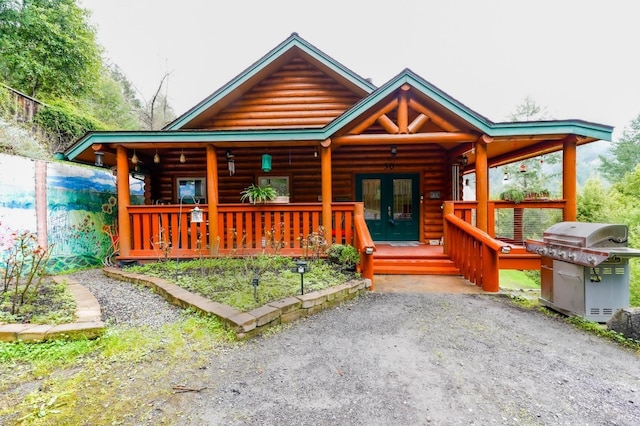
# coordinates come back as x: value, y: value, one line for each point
x: 390, y: 217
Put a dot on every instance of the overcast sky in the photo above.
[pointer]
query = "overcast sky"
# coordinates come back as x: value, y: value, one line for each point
x: 577, y: 58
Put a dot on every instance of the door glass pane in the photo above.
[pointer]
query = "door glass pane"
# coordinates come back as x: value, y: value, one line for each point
x: 402, y: 199
x: 371, y: 198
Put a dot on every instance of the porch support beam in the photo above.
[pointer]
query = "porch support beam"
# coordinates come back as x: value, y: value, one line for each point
x: 124, y: 200
x: 373, y: 117
x: 417, y: 123
x: 403, y: 110
x: 482, y: 185
x: 325, y: 164
x: 435, y: 137
x: 439, y: 121
x: 212, y: 197
x: 388, y: 124
x: 569, y: 178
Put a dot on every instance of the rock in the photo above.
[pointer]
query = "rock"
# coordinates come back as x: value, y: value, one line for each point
x: 627, y: 322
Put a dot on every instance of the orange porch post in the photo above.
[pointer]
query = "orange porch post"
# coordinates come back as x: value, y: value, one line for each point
x: 482, y: 184
x: 569, y: 178
x: 124, y: 200
x: 212, y: 197
x: 325, y: 161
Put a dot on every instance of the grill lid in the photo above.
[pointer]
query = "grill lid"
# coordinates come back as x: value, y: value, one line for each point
x: 587, y: 244
x: 586, y: 235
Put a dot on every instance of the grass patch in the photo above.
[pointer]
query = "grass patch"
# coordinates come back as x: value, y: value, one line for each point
x: 603, y: 331
x: 51, y: 303
x: 115, y: 379
x: 229, y: 280
x: 515, y: 280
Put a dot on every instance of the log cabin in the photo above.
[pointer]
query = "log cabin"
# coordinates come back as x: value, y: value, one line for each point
x: 379, y: 168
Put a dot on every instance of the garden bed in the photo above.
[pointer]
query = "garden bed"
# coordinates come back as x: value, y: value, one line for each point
x: 230, y: 281
x: 49, y: 303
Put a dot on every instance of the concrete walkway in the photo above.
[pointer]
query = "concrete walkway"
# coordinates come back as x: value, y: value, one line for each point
x: 424, y: 284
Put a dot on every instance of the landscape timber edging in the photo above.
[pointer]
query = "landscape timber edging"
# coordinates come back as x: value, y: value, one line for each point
x: 88, y: 323
x: 255, y: 321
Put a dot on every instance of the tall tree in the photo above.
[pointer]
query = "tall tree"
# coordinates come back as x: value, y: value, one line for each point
x: 47, y: 48
x: 625, y: 153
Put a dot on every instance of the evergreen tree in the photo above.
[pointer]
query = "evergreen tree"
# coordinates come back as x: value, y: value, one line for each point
x: 625, y: 153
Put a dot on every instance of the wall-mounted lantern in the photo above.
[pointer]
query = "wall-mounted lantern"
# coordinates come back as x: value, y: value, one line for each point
x: 99, y: 158
x: 266, y: 163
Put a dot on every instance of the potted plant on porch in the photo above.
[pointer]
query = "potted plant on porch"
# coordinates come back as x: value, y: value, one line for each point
x: 258, y: 194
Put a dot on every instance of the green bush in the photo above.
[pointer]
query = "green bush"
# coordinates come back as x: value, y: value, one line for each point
x: 345, y: 255
x: 65, y: 124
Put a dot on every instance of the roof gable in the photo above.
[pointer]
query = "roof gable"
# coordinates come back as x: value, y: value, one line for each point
x: 293, y: 52
x: 432, y: 110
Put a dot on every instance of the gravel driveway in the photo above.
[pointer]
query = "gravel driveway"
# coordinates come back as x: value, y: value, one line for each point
x: 400, y: 359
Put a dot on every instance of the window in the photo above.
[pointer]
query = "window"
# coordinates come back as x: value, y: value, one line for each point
x: 191, y: 190
x: 279, y: 183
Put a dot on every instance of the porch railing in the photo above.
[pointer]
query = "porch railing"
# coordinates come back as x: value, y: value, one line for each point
x: 514, y: 222
x: 167, y: 231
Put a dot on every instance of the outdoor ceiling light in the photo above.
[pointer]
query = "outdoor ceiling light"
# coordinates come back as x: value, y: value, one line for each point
x: 156, y: 158
x: 183, y: 159
x: 99, y: 158
x: 134, y: 158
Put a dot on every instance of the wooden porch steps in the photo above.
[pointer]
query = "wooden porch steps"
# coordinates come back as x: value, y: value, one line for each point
x: 422, y: 260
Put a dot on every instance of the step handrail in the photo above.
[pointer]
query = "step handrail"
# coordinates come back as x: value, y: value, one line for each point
x: 474, y: 252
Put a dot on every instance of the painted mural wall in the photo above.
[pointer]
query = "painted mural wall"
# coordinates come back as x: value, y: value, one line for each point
x: 71, y: 209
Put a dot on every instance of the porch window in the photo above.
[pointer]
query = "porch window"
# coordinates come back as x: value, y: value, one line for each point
x: 191, y: 190
x: 279, y: 183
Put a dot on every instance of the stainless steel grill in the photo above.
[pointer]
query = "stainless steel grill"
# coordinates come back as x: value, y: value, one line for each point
x: 585, y: 268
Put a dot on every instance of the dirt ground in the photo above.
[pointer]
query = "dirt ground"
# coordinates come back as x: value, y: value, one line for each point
x: 406, y: 358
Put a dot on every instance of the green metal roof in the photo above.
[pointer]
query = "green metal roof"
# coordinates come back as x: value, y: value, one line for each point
x: 173, y: 132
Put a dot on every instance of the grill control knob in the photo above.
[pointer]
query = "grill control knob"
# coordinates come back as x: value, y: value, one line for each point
x: 562, y: 254
x: 542, y: 250
x: 573, y: 257
x: 591, y: 260
x: 552, y: 252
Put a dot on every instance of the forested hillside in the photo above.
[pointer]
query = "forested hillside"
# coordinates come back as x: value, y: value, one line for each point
x: 49, y: 52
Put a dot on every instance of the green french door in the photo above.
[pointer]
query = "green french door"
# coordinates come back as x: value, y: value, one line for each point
x: 391, y: 205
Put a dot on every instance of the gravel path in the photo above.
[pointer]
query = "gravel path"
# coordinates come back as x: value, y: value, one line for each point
x: 126, y: 304
x: 383, y: 359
